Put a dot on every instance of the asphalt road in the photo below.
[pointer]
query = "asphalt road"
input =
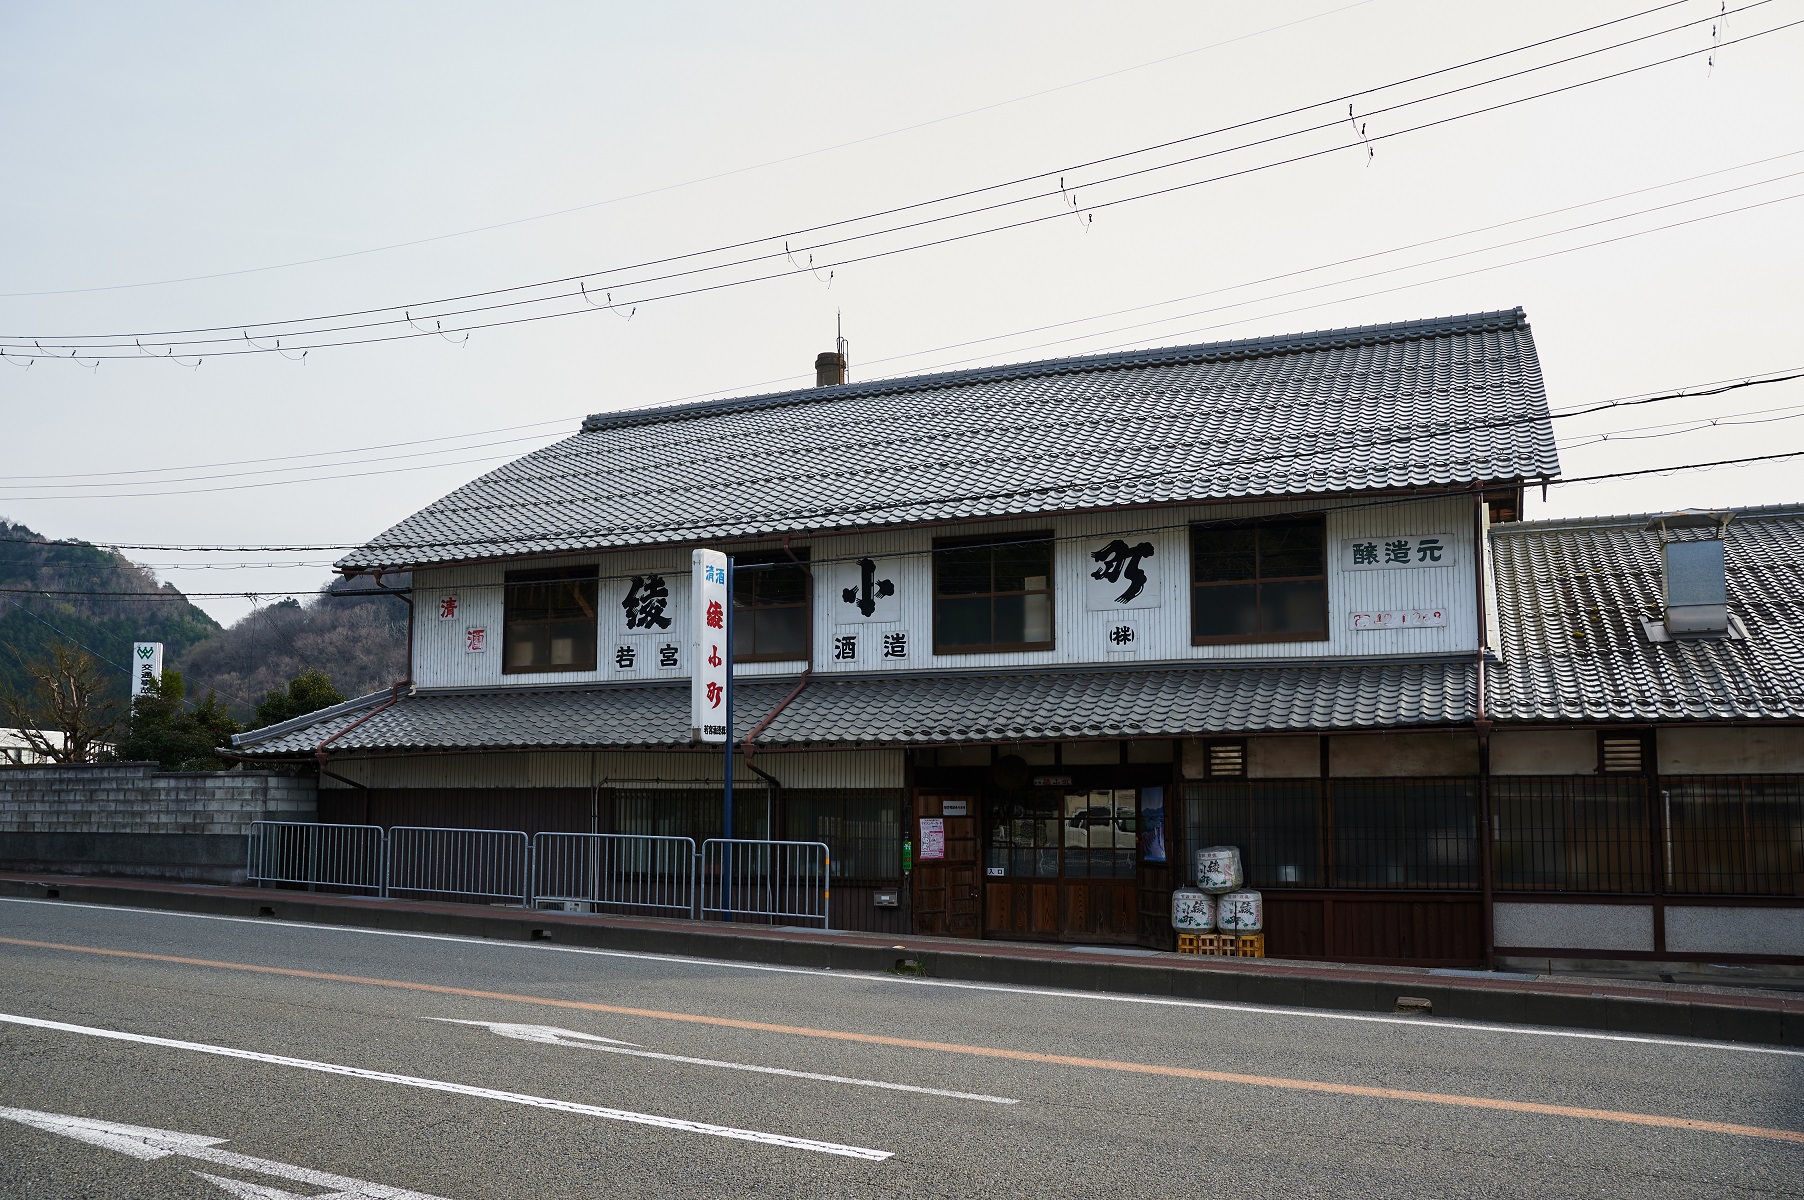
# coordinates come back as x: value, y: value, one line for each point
x: 285, y: 1081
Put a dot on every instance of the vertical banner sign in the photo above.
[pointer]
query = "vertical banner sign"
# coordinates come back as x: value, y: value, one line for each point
x: 147, y: 667
x: 711, y: 652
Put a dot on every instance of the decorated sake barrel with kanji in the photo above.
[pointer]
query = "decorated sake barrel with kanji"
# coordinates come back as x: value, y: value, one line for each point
x: 1240, y: 912
x: 1218, y: 869
x: 1192, y: 910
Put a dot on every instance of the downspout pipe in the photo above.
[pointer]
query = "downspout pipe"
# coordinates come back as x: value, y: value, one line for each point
x: 319, y: 751
x: 749, y: 747
x: 1481, y: 722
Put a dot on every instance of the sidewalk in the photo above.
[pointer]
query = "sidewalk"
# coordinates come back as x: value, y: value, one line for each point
x: 1731, y: 1013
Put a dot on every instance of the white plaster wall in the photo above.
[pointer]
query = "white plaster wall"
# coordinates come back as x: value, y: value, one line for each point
x: 1773, y: 750
x: 1544, y: 752
x: 1284, y: 757
x: 1577, y: 926
x: 1379, y: 755
x: 1160, y: 620
x: 1707, y: 930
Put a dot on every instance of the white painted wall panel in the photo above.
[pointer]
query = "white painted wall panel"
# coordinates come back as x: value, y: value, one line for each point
x: 1160, y: 617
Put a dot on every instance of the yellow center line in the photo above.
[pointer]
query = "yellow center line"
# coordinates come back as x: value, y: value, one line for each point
x: 1653, y: 1120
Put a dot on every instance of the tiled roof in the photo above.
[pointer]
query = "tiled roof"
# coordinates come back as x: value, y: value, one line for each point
x: 1422, y: 403
x: 911, y: 710
x: 1571, y: 595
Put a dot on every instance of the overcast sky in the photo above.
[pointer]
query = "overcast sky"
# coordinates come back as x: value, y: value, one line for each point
x: 153, y: 143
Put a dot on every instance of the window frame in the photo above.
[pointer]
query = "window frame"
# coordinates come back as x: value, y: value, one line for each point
x: 993, y: 541
x: 511, y: 580
x: 1257, y: 580
x: 760, y: 558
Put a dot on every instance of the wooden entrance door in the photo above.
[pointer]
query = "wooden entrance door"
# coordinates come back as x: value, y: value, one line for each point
x: 947, y: 890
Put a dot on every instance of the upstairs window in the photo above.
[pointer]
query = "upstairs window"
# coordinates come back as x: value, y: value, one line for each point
x: 1266, y: 582
x: 549, y: 621
x: 992, y: 594
x: 771, y: 612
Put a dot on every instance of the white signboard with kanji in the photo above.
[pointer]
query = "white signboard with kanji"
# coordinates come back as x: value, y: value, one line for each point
x: 1398, y: 618
x: 1398, y: 553
x: 1120, y: 573
x: 648, y: 637
x: 709, y: 653
x: 865, y: 591
x: 147, y: 667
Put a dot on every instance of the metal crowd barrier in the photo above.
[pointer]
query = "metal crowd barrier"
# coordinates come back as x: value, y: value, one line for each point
x: 492, y: 863
x: 303, y: 852
x: 766, y: 881
x: 731, y: 879
x: 616, y: 872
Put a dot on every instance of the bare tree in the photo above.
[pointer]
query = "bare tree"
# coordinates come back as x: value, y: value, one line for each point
x: 68, y: 696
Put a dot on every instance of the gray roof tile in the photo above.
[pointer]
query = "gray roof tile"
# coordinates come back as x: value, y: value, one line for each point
x: 913, y: 710
x: 1570, y: 598
x: 1304, y: 413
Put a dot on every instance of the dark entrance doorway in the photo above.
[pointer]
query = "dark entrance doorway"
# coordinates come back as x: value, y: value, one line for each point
x: 947, y: 891
x: 1061, y: 861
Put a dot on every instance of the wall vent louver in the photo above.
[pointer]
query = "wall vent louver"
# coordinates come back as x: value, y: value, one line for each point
x: 1227, y: 760
x: 1621, y: 755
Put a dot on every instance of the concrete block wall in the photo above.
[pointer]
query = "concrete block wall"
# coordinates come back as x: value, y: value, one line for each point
x: 132, y: 819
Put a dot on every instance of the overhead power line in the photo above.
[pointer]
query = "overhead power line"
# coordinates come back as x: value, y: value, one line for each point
x: 178, y: 342
x: 1384, y: 501
x: 1714, y: 388
x: 33, y: 480
x: 718, y: 175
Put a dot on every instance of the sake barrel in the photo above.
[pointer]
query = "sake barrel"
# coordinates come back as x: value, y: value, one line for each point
x: 1192, y: 910
x: 1218, y: 869
x: 1241, y: 912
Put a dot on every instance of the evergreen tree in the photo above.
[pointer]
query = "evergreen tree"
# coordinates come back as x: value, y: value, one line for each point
x: 307, y: 692
x: 177, y: 738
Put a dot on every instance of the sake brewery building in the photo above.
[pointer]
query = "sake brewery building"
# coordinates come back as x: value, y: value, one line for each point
x: 1083, y: 615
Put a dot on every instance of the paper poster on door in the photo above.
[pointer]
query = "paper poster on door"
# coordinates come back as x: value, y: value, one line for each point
x: 933, y: 838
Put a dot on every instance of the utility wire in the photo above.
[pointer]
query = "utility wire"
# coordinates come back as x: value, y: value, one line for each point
x: 654, y: 191
x: 1008, y: 539
x: 176, y: 338
x: 1338, y: 446
x: 1712, y: 388
x: 31, y: 479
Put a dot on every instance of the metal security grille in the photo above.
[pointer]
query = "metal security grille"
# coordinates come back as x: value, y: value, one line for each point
x: 690, y: 812
x: 1276, y: 823
x: 862, y: 828
x: 1405, y: 833
x: 1622, y: 755
x: 1734, y: 835
x: 1571, y: 834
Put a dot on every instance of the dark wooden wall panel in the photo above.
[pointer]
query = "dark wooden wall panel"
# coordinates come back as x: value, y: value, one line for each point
x: 853, y: 908
x: 1414, y: 929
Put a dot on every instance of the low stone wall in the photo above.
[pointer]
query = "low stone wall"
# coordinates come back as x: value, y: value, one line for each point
x: 132, y: 819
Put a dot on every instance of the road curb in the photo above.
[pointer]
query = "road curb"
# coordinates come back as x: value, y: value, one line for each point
x: 1755, y: 1019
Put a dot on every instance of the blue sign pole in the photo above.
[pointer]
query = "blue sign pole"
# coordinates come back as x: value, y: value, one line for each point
x: 727, y: 792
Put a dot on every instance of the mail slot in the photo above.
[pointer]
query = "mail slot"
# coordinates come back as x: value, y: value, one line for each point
x: 890, y: 898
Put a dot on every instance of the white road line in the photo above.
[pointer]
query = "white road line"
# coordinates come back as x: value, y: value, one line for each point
x: 462, y: 1089
x: 551, y: 1035
x: 1273, y: 1010
x: 148, y: 1145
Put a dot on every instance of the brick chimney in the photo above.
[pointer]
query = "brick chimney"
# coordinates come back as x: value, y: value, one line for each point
x: 829, y: 368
